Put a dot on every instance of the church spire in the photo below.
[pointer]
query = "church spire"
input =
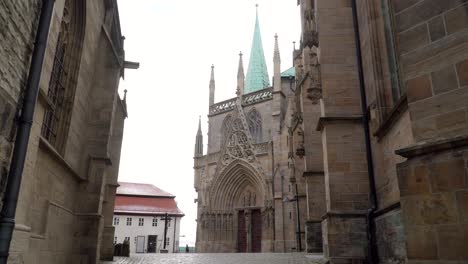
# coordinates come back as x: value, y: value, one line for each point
x: 277, y: 67
x: 199, y: 140
x: 212, y: 86
x: 240, y: 76
x: 257, y: 74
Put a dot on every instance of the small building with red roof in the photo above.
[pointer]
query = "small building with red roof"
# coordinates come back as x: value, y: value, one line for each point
x: 139, y: 217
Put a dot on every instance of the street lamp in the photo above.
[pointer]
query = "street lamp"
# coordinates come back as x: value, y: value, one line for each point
x: 286, y: 199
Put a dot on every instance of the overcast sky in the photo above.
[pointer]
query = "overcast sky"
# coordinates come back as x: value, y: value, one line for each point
x: 176, y: 42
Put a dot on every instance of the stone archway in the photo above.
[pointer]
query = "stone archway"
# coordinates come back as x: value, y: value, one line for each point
x: 238, y: 191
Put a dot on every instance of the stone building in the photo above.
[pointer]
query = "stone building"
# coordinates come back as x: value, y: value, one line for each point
x: 66, y: 201
x: 374, y: 131
x: 382, y: 89
x: 247, y: 177
x: 140, y: 217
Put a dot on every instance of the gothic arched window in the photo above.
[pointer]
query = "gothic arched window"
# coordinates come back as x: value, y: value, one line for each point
x: 254, y: 119
x: 225, y: 128
x: 64, y: 74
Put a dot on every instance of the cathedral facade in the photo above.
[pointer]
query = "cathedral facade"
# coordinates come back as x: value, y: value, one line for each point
x: 246, y: 183
x: 364, y: 154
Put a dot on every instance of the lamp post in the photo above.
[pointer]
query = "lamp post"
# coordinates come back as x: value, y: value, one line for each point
x: 298, y: 221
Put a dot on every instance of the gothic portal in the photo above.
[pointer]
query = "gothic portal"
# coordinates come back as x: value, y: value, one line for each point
x: 245, y: 175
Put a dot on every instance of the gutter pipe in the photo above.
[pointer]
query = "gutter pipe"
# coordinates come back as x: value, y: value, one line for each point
x: 10, y: 198
x: 370, y: 227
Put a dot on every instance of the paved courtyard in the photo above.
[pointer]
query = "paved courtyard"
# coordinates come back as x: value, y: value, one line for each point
x: 252, y: 258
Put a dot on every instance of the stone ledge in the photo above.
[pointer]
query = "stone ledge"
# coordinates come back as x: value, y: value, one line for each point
x: 337, y: 119
x: 44, y: 144
x: 428, y: 147
x: 388, y: 209
x: 345, y: 214
x: 313, y: 173
x: 398, y: 110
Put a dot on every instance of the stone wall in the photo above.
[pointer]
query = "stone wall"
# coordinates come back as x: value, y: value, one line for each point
x: 432, y: 36
x: 433, y: 52
x: 19, y: 22
x: 66, y: 199
x: 434, y: 191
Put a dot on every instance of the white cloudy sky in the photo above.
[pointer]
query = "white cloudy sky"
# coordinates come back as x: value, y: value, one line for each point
x: 176, y: 42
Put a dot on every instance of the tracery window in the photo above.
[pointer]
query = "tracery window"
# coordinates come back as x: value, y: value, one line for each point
x: 225, y: 128
x: 254, y: 119
x: 56, y: 93
x: 398, y: 89
x: 64, y: 74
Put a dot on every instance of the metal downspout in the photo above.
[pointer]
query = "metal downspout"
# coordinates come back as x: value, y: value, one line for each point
x: 10, y: 198
x: 370, y: 228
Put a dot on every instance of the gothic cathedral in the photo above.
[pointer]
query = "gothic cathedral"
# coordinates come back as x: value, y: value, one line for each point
x: 246, y: 187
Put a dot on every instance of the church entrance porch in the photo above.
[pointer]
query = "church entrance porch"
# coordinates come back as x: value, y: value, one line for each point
x: 249, y: 231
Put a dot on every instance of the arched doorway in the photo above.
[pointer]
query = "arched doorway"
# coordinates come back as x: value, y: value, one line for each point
x: 238, y: 191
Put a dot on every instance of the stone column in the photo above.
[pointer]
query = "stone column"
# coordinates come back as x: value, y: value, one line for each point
x: 248, y: 229
x: 345, y: 166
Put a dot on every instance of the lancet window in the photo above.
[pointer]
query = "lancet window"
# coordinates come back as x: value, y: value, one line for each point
x: 254, y: 119
x: 64, y: 74
x: 225, y: 128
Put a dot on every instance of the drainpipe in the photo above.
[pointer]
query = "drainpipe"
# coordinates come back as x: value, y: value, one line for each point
x: 371, y: 234
x: 10, y: 198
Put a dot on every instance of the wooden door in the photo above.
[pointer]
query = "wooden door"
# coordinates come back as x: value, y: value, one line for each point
x: 256, y: 231
x: 241, y: 233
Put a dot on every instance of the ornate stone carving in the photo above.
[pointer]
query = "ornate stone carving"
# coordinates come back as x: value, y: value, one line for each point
x: 314, y: 94
x: 258, y: 96
x: 300, y: 150
x: 222, y: 107
x: 237, y: 144
x: 314, y: 89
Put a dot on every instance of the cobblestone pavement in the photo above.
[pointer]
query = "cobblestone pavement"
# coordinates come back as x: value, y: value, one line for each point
x: 253, y: 258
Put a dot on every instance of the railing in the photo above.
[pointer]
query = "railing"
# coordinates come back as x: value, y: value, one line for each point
x: 258, y: 96
x: 247, y: 99
x: 223, y: 106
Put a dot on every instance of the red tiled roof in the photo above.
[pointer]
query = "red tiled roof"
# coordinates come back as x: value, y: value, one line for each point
x: 141, y: 189
x: 146, y: 205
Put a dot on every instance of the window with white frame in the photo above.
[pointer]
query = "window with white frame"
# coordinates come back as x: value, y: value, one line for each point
x: 167, y: 241
x: 155, y: 221
x: 141, y: 221
x: 116, y: 221
x: 127, y: 239
x: 129, y: 221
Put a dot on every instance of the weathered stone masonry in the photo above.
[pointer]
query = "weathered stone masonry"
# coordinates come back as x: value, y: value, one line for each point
x: 65, y: 205
x: 414, y: 56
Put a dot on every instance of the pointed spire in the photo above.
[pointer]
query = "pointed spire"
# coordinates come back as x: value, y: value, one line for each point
x: 199, y: 132
x: 276, y: 55
x: 257, y: 74
x: 212, y: 86
x: 276, y: 67
x: 199, y: 140
x: 240, y: 76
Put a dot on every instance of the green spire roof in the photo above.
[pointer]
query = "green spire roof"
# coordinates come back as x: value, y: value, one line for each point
x: 289, y: 72
x: 257, y: 74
